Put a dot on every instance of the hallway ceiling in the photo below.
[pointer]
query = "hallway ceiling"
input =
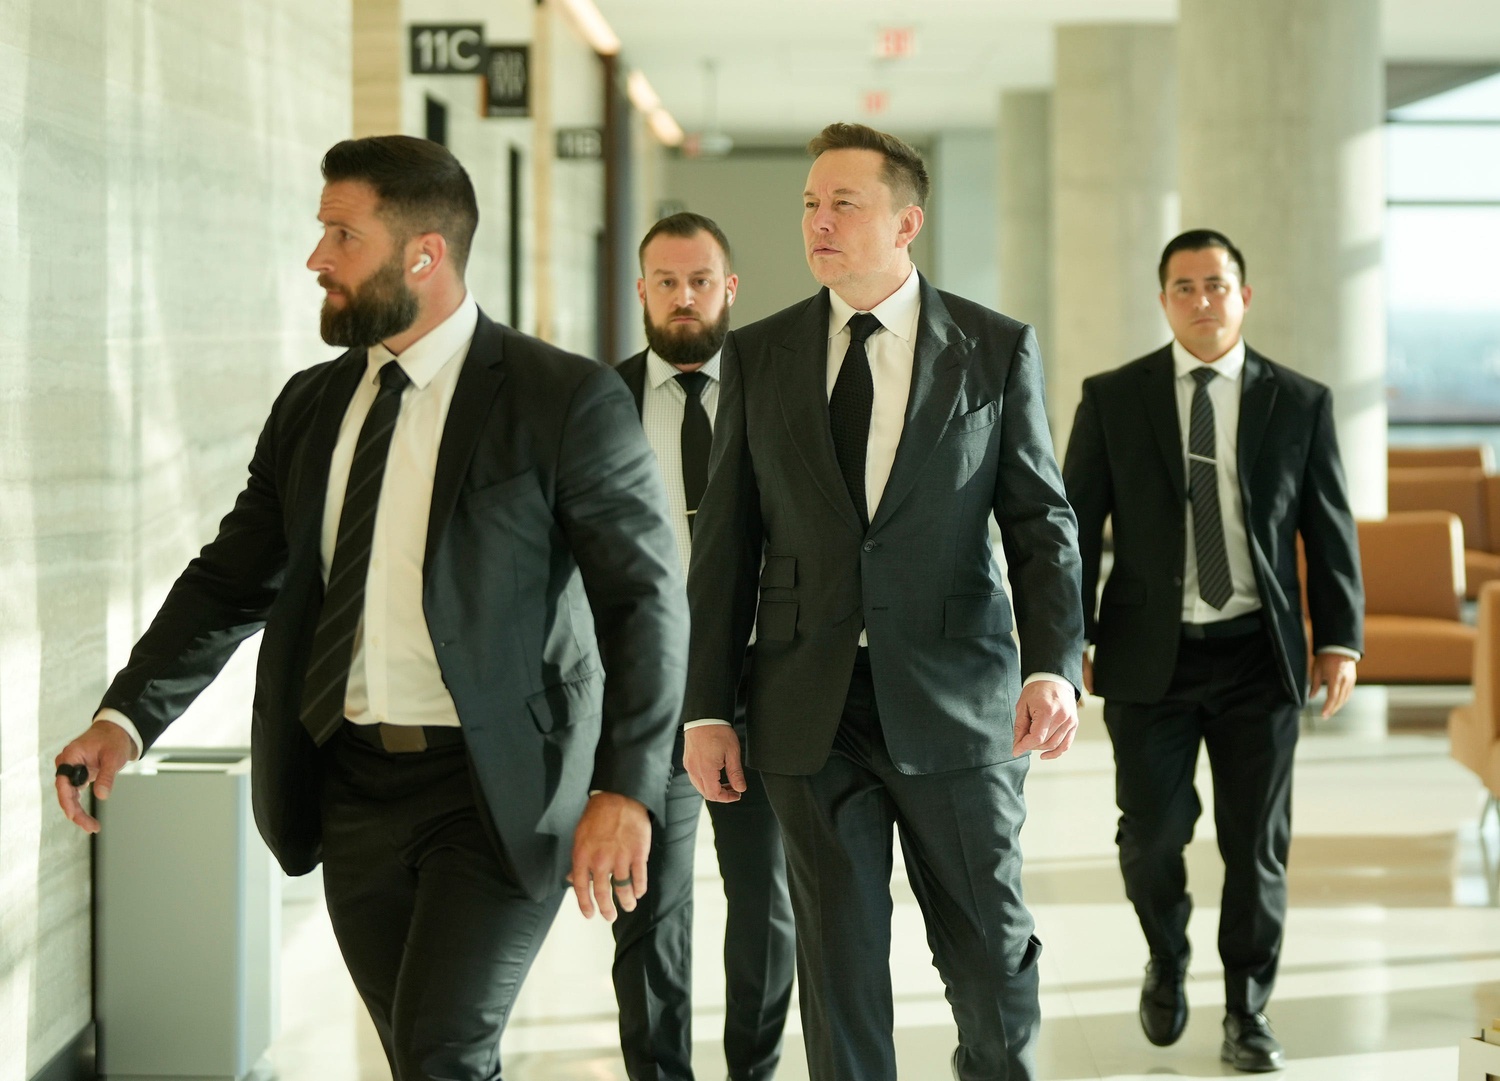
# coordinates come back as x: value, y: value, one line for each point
x: 786, y: 67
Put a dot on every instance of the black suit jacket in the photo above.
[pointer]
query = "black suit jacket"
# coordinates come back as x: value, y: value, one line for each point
x: 551, y: 589
x: 922, y: 579
x: 1125, y: 462
x: 633, y: 371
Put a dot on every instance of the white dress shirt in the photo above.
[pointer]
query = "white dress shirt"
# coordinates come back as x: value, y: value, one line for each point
x: 663, y: 401
x: 393, y: 675
x: 1224, y: 392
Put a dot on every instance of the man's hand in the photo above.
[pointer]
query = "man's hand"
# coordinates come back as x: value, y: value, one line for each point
x: 104, y: 749
x: 709, y: 752
x: 610, y: 847
x: 1046, y: 719
x: 1088, y: 671
x: 1336, y: 672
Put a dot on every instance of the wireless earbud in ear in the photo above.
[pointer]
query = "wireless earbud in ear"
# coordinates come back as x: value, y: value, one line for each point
x: 422, y: 263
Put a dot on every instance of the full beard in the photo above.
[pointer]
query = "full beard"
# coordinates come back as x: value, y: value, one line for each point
x: 682, y: 347
x: 381, y: 308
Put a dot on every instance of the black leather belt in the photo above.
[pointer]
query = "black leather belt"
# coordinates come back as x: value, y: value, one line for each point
x: 1237, y: 627
x: 405, y: 738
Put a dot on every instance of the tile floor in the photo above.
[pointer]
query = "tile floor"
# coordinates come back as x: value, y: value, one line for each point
x: 1392, y: 954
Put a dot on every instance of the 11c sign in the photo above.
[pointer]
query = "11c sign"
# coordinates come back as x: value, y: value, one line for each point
x: 447, y: 49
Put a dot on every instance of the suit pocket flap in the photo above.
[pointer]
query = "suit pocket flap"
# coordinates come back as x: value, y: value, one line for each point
x: 561, y: 704
x: 502, y: 490
x: 776, y: 621
x: 780, y: 572
x: 976, y: 614
x: 982, y: 417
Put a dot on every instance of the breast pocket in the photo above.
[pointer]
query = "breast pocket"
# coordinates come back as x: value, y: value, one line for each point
x: 977, y: 419
x: 502, y: 491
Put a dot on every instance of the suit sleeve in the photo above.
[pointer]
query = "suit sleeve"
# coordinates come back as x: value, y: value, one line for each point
x: 1335, y: 590
x: 1091, y: 492
x: 1037, y: 526
x: 728, y: 539
x: 613, y: 509
x: 219, y: 600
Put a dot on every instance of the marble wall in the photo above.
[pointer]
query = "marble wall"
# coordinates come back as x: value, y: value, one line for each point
x: 158, y: 186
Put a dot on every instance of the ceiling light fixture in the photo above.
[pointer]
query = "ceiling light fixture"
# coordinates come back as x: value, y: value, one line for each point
x: 592, y: 26
x: 645, y: 98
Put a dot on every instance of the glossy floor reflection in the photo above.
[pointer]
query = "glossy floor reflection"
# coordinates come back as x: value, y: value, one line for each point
x: 1392, y: 954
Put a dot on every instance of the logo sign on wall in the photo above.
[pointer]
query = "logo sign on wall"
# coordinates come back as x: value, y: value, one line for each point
x: 580, y: 144
x: 507, y: 81
x: 447, y: 49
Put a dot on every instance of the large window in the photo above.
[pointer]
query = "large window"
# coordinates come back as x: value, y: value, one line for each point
x: 1443, y: 257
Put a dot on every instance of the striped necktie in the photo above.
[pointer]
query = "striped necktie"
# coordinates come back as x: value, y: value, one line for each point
x: 1214, y: 583
x: 327, y: 676
x: 849, y: 409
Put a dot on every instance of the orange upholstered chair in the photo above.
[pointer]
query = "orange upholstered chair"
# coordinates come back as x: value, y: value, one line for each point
x: 1477, y: 457
x: 1413, y: 565
x: 1466, y: 491
x: 1474, y: 730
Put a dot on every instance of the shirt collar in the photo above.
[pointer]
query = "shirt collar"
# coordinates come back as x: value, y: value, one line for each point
x: 427, y: 356
x: 1229, y: 365
x: 659, y: 371
x: 897, y: 313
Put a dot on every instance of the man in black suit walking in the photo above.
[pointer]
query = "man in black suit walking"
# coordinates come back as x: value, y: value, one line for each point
x: 436, y: 527
x: 1210, y: 460
x: 686, y: 288
x: 866, y: 436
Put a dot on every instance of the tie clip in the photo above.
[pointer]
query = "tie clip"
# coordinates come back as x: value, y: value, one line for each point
x: 1200, y: 458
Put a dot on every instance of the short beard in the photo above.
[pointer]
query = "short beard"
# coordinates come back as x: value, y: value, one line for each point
x: 379, y: 309
x: 683, y: 348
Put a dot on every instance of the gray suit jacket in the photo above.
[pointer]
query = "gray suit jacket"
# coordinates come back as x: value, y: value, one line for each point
x: 922, y: 579
x: 551, y: 588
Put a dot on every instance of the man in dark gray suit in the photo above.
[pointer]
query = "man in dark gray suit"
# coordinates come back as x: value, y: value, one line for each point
x: 446, y: 534
x: 865, y: 438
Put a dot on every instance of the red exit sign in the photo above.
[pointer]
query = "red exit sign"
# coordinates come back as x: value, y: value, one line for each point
x: 876, y: 102
x: 896, y: 42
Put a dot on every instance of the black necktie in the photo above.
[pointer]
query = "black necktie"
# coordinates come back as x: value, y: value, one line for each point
x: 849, y: 411
x: 327, y: 676
x: 697, y: 438
x: 1214, y: 583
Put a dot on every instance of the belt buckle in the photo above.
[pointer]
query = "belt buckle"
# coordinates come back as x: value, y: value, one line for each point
x: 402, y: 738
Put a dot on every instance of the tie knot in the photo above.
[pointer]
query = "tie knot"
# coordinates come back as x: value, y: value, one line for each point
x: 861, y: 326
x: 692, y: 383
x: 392, y: 377
x: 1203, y: 375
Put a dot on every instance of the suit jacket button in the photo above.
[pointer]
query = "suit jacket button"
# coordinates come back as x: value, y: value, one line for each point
x: 1177, y: 580
x: 870, y: 546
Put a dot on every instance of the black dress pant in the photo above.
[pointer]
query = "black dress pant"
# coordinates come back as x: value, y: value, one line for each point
x: 960, y: 839
x: 434, y: 927
x: 1226, y: 695
x: 653, y: 966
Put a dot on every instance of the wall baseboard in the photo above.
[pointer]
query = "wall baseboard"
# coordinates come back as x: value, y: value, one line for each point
x: 75, y: 1062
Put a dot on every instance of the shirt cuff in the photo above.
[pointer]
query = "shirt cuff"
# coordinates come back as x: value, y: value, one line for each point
x: 1342, y: 651
x: 116, y: 717
x: 1050, y: 677
x: 703, y: 722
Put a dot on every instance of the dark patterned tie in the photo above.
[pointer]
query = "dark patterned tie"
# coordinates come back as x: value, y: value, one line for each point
x: 849, y: 409
x: 1214, y: 583
x: 697, y: 438
x: 327, y: 676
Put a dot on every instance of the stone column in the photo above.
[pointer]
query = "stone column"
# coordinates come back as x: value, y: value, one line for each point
x: 379, y: 65
x: 1025, y: 257
x: 1114, y: 119
x: 1281, y: 149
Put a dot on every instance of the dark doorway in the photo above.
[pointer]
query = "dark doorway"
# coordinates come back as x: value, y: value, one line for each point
x: 437, y: 121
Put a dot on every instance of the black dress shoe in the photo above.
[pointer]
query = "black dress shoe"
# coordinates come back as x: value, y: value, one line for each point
x: 1249, y: 1044
x: 1163, y: 1003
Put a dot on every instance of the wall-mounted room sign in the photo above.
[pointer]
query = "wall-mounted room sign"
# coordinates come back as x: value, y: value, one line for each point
x: 580, y: 144
x: 447, y: 49
x: 507, y: 81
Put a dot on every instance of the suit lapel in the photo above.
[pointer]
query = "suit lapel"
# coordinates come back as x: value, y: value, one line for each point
x: 312, y: 480
x: 478, y: 383
x: 801, y: 363
x: 633, y: 371
x: 1257, y: 397
x: 937, y: 378
x: 1160, y: 394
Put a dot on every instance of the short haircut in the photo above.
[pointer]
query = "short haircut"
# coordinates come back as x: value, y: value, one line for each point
x: 1197, y: 240
x: 904, y: 172
x: 421, y: 186
x: 687, y: 224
